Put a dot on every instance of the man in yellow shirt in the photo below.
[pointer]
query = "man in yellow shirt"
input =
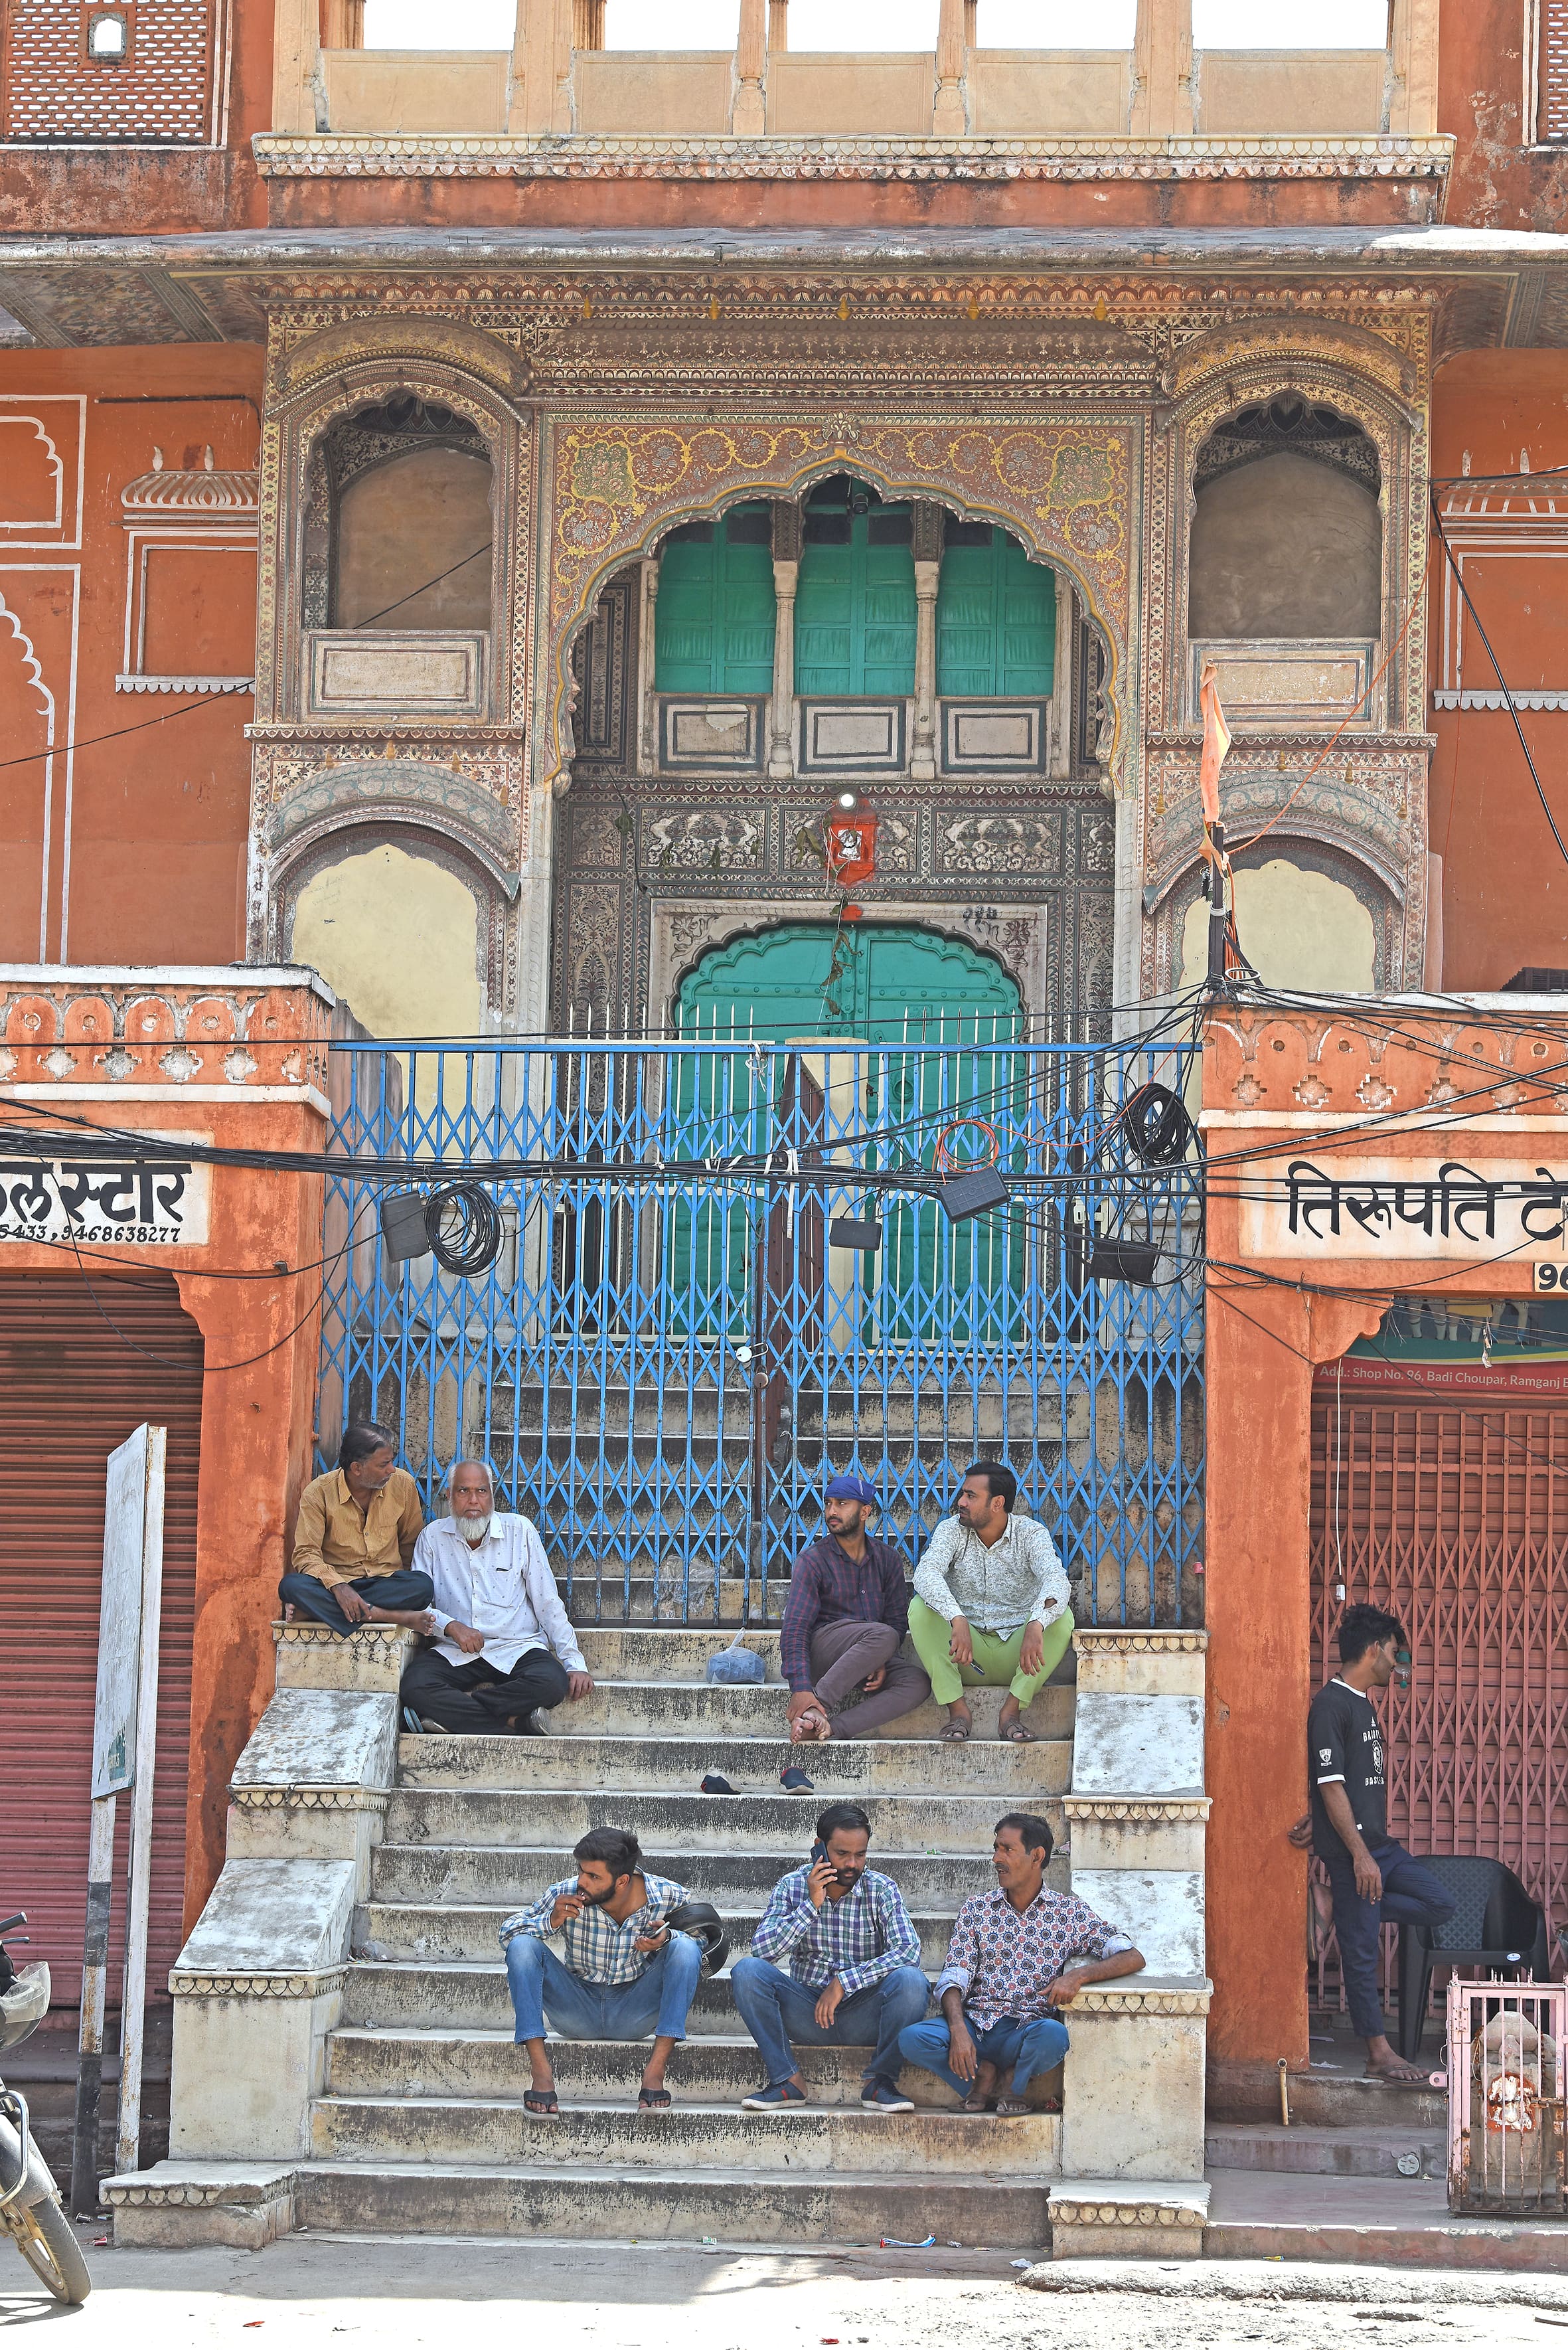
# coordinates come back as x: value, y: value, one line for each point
x: 354, y: 1538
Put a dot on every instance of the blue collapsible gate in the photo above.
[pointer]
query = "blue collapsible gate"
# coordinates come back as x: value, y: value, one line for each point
x: 672, y: 1348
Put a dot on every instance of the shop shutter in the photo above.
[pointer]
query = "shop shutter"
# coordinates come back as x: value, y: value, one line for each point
x: 713, y: 621
x: 996, y: 616
x: 72, y: 1390
x: 1455, y: 1519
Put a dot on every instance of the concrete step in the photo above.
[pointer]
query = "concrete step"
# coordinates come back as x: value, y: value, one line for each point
x: 723, y: 2138
x: 671, y: 1597
x: 1003, y: 2208
x: 1367, y: 2153
x: 859, y: 1768
x: 503, y: 1876
x: 471, y: 1995
x: 445, y: 1932
x: 663, y: 1709
x: 680, y: 1651
x: 711, y: 2068
x: 753, y: 1822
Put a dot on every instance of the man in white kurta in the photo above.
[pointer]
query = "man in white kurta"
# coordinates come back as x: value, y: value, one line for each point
x: 503, y: 1644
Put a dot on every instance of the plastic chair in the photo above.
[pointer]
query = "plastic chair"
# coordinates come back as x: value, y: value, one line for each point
x: 1495, y: 1924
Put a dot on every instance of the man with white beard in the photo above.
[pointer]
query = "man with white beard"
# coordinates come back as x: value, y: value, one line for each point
x: 503, y: 1644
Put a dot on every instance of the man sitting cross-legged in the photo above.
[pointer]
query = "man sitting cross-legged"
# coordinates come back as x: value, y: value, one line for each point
x: 1017, y: 1955
x: 352, y: 1561
x: 841, y: 1643
x: 626, y: 1974
x: 991, y: 1604
x: 504, y: 1644
x: 854, y: 1978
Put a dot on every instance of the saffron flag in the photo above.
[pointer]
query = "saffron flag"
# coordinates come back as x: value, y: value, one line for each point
x: 1216, y: 743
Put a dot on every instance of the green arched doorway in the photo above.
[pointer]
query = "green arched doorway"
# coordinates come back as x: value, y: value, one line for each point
x: 904, y: 1032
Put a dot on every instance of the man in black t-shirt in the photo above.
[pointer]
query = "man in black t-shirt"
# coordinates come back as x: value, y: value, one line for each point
x: 1375, y: 1880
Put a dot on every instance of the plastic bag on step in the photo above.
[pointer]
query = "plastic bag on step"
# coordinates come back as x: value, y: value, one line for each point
x: 736, y: 1663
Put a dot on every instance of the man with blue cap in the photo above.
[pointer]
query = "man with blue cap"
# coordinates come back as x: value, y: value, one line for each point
x: 844, y: 1624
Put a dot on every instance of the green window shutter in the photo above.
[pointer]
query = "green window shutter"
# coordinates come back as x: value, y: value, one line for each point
x: 996, y: 621
x: 713, y: 621
x: 854, y: 616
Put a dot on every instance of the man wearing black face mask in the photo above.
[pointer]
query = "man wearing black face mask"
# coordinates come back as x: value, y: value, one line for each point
x: 625, y: 1972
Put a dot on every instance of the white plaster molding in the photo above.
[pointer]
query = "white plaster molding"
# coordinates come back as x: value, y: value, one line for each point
x: 1479, y: 697
x: 186, y: 1983
x: 130, y: 681
x: 1182, y: 1809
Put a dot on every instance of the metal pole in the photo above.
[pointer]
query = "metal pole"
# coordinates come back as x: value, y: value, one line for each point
x: 133, y: 1995
x: 95, y: 1982
x: 1216, y: 910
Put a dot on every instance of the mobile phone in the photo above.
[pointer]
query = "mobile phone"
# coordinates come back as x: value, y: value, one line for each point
x: 818, y: 1852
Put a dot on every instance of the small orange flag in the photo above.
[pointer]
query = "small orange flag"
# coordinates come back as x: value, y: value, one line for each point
x: 1216, y: 743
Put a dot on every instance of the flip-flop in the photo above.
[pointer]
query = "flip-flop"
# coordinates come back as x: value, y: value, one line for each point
x: 1408, y: 2077
x: 541, y: 2105
x: 652, y: 2101
x: 976, y: 2105
x: 1013, y: 1733
x: 954, y: 1733
x: 1015, y: 2109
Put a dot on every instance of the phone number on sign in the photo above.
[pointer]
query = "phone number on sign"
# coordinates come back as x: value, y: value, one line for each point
x: 146, y: 1234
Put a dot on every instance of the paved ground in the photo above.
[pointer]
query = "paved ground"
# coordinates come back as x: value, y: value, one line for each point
x: 318, y: 2294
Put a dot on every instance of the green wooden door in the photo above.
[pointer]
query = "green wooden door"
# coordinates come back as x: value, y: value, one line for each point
x: 940, y: 1015
x: 996, y: 616
x: 713, y: 621
x: 855, y: 602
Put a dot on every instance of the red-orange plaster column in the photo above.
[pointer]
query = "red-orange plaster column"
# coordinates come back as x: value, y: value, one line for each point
x: 1260, y: 1346
x: 257, y: 1410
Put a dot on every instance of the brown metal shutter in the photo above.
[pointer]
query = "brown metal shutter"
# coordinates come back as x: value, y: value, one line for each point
x: 1455, y: 1519
x: 70, y: 1390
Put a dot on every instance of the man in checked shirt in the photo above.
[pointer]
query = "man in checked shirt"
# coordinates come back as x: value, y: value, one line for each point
x: 1017, y: 1955
x: 854, y: 1976
x: 627, y: 1972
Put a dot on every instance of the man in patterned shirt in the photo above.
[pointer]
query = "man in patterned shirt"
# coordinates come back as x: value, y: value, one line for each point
x: 854, y: 1978
x: 626, y: 1974
x: 1017, y: 1956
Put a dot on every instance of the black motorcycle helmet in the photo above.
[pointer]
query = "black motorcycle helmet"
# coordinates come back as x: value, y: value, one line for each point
x: 703, y: 1923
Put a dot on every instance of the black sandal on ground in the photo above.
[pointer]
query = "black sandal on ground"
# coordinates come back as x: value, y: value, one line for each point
x: 955, y: 1732
x: 1013, y: 1733
x: 541, y: 2105
x: 652, y: 2101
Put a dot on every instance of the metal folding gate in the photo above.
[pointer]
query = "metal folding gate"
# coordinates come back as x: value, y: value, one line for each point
x: 672, y: 1348
x: 1454, y: 1519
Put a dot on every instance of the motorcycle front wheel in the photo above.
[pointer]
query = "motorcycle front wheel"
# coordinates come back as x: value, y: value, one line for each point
x: 47, y: 2243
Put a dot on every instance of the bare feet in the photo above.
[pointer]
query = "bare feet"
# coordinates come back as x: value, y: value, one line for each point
x: 1383, y: 2062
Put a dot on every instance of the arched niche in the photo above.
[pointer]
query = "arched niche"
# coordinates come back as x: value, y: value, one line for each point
x: 1286, y: 538
x: 1310, y: 919
x: 399, y: 520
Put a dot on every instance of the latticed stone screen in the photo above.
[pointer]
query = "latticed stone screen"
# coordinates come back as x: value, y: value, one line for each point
x: 1554, y: 70
x: 163, y: 89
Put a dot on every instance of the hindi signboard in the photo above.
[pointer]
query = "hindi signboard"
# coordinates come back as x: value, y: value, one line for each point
x: 1325, y: 1208
x: 140, y: 1202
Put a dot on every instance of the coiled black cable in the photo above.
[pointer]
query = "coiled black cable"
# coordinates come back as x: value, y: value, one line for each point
x: 464, y: 1225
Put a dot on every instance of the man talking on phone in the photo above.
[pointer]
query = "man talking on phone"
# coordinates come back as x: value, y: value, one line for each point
x: 854, y: 1978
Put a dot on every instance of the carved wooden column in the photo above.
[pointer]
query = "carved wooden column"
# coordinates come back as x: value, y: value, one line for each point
x: 778, y: 24
x: 948, y: 118
x: 1413, y: 56
x: 747, y: 117
x: 541, y: 101
x: 1162, y: 70
x: 646, y: 706
x: 786, y: 577
x: 928, y: 523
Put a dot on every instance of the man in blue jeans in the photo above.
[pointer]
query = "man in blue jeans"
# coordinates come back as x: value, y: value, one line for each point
x: 625, y: 1973
x: 854, y: 1978
x: 1375, y: 1880
x: 1017, y: 1955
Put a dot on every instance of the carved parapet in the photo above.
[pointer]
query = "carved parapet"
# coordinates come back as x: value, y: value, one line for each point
x: 368, y: 1659
x: 1104, y: 2219
x: 178, y: 2204
x: 1123, y: 1661
x: 1136, y: 1832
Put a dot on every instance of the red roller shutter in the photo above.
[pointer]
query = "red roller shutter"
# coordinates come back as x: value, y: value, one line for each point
x: 70, y: 1390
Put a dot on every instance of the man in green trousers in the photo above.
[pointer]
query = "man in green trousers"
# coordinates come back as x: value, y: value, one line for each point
x: 991, y: 1606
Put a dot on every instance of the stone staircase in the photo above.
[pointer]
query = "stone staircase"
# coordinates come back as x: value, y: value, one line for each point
x: 344, y: 2057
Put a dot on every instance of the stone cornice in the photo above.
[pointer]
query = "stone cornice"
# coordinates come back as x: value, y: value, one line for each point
x: 308, y: 1799
x: 145, y: 2191
x: 1126, y: 1997
x: 1122, y: 1641
x: 434, y: 156
x: 187, y: 1983
x: 1140, y: 1809
x: 1077, y: 2210
x: 320, y: 1636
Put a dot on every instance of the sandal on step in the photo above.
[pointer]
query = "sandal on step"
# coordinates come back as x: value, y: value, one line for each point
x: 1013, y: 2109
x: 541, y: 2105
x: 976, y: 2104
x: 1013, y: 1733
x: 652, y: 2101
x: 954, y: 1733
